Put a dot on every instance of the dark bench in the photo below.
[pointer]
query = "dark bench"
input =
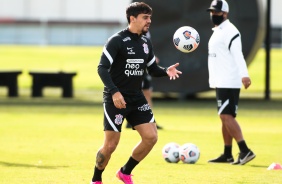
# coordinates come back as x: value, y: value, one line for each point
x: 52, y: 79
x: 10, y: 80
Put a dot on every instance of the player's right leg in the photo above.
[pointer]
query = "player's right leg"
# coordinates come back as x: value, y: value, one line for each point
x: 112, y: 128
x: 109, y: 146
x: 104, y: 154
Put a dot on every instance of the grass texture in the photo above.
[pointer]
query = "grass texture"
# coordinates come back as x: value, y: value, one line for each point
x: 55, y: 142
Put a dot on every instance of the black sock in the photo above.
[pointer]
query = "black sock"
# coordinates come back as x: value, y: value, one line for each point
x: 243, y: 146
x: 129, y: 166
x: 97, y: 174
x: 228, y: 150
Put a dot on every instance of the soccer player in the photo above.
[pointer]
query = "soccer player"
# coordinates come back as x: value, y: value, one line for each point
x: 227, y: 72
x: 126, y: 56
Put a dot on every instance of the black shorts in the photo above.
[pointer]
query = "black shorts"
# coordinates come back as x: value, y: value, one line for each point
x: 147, y: 81
x: 134, y: 114
x: 227, y: 101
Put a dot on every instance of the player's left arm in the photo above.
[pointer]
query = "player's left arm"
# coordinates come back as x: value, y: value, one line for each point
x: 236, y: 51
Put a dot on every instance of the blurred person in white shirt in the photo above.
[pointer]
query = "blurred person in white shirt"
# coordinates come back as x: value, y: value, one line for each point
x: 227, y: 72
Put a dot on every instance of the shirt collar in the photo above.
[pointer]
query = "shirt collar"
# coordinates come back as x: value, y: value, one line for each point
x: 134, y: 35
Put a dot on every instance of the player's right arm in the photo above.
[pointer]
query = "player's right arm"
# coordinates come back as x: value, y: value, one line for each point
x: 110, y: 51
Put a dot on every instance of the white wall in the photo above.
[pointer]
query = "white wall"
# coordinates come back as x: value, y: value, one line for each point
x: 95, y: 10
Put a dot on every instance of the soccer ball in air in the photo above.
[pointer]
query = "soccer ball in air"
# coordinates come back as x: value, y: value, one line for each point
x: 186, y: 39
x: 189, y: 153
x: 171, y: 152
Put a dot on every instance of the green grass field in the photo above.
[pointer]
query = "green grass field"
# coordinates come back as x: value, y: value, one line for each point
x: 52, y: 140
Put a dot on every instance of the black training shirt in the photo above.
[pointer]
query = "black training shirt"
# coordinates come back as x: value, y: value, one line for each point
x: 123, y: 63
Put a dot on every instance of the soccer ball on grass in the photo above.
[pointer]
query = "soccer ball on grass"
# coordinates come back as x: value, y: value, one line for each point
x: 186, y: 39
x: 189, y: 153
x: 171, y: 152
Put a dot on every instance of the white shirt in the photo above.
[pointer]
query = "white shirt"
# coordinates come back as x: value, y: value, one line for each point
x: 226, y: 62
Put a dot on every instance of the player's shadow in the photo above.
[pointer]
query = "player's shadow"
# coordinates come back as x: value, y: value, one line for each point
x: 9, y: 164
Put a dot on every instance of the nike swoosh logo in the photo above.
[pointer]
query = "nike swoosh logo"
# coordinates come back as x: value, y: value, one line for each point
x: 129, y: 48
x: 241, y: 160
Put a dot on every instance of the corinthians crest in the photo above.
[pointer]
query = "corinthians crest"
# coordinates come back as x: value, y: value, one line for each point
x: 145, y: 46
x: 118, y: 119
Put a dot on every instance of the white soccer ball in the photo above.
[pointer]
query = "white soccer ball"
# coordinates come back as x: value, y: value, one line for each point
x: 171, y: 152
x: 186, y: 39
x: 189, y: 153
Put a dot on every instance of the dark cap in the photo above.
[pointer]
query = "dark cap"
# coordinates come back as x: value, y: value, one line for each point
x: 219, y: 6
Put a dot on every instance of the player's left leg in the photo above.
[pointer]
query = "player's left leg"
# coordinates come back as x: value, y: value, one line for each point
x: 235, y: 131
x: 149, y: 137
x: 232, y: 128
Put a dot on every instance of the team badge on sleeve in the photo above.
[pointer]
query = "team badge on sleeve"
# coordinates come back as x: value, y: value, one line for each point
x: 146, y: 50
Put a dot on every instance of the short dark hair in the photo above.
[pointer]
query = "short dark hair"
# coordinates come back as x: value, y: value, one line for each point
x: 136, y: 8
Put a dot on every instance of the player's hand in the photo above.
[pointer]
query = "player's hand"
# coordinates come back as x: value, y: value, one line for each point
x: 172, y: 72
x: 119, y: 100
x: 246, y: 82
